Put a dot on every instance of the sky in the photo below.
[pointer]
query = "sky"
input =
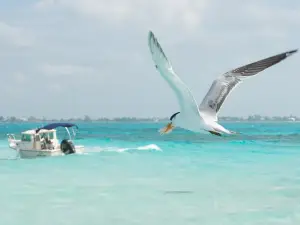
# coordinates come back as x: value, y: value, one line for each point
x: 70, y: 58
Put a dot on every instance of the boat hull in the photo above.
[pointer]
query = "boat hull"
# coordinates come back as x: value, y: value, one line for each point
x: 46, y: 153
x: 39, y: 153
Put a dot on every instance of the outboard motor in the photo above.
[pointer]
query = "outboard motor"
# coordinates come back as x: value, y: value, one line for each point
x: 67, y: 147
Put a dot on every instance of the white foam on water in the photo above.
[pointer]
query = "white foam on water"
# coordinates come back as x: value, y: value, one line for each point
x: 150, y: 147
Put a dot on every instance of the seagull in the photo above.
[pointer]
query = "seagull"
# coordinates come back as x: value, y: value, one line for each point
x: 204, y: 118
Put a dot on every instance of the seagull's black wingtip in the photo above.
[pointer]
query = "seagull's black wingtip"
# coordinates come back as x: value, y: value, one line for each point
x: 150, y: 33
x: 291, y: 52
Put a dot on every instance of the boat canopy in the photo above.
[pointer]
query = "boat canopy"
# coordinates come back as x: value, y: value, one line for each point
x: 55, y: 125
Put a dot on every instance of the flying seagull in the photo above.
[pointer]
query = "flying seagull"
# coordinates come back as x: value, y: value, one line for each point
x: 204, y: 118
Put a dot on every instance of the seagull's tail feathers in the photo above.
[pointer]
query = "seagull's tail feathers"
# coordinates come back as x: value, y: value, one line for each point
x: 221, y: 133
x: 222, y: 130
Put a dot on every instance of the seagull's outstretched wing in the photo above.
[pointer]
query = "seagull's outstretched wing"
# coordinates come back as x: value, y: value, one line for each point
x: 223, y: 85
x: 188, y: 104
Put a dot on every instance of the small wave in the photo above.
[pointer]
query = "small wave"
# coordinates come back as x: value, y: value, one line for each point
x: 151, y: 147
x: 141, y: 148
x: 178, y: 192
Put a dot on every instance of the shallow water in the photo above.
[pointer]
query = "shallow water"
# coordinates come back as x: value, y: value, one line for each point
x: 132, y: 175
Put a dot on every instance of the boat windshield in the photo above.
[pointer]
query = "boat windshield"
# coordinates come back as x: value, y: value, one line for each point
x: 49, y: 135
x: 26, y: 137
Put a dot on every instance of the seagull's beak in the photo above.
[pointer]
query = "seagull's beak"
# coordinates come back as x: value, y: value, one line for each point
x: 167, y: 129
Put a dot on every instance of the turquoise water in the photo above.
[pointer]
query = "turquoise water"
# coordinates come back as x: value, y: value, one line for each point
x: 132, y: 175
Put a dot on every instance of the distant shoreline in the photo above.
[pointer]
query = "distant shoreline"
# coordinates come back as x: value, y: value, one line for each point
x: 255, y: 118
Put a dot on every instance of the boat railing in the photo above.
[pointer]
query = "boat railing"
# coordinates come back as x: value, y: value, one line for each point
x: 11, y: 137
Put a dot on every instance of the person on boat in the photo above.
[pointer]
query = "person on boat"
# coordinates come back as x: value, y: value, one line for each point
x: 47, y: 140
x: 49, y: 143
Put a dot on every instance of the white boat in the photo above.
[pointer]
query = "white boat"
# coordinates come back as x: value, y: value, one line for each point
x: 43, y: 142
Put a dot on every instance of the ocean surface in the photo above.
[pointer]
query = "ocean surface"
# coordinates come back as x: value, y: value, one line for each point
x: 131, y: 175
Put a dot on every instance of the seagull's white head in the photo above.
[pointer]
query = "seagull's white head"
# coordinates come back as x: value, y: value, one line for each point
x: 170, y: 126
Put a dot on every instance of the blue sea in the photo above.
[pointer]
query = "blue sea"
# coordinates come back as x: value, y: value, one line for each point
x: 131, y: 175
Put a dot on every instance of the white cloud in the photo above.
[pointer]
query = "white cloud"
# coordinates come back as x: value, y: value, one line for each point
x: 55, y: 70
x: 19, y: 77
x: 272, y: 21
x: 277, y: 15
x: 44, y: 4
x: 55, y: 88
x: 15, y: 35
x: 103, y: 45
x: 184, y: 13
